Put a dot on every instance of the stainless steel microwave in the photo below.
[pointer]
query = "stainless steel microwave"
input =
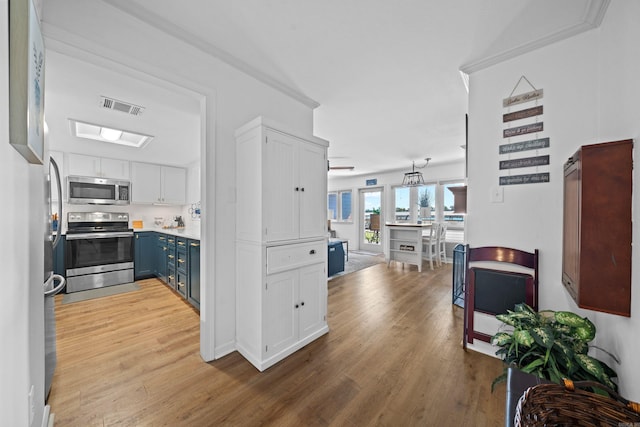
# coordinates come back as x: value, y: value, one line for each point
x: 98, y: 191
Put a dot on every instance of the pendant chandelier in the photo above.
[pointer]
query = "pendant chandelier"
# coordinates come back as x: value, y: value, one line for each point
x: 415, y: 178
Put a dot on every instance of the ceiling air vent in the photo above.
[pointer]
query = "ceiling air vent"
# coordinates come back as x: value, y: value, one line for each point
x: 124, y: 107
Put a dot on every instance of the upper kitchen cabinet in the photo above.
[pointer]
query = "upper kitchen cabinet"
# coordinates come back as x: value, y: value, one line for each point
x: 281, y: 183
x: 82, y: 165
x: 158, y: 184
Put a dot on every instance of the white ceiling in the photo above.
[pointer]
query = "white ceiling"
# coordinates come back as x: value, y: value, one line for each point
x: 73, y: 89
x: 384, y: 73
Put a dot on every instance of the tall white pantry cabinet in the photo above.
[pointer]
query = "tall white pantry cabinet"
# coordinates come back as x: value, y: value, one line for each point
x: 281, y: 241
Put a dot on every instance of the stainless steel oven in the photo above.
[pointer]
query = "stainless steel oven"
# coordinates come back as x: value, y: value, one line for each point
x: 98, y: 250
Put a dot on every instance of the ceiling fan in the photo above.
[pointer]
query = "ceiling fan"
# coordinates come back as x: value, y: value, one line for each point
x: 334, y: 168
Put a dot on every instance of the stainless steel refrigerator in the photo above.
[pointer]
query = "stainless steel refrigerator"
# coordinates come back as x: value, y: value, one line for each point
x: 53, y: 283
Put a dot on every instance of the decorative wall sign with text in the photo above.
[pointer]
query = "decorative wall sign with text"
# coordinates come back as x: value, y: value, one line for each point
x: 532, y: 144
x: 522, y: 130
x: 522, y: 114
x: 532, y: 178
x: 525, y: 162
x: 524, y: 97
x: 523, y: 121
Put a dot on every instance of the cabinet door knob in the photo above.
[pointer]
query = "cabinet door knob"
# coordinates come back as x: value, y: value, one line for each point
x: 297, y: 188
x: 297, y: 306
x: 302, y: 303
x: 302, y: 189
x: 312, y: 252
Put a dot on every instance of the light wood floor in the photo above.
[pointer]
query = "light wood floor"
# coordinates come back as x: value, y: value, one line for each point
x: 392, y: 358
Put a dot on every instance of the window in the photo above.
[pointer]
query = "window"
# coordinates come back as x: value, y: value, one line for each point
x: 426, y: 202
x: 454, y: 220
x: 430, y: 203
x: 450, y: 216
x: 403, y: 201
x: 413, y: 204
x: 332, y: 206
x: 339, y: 206
x: 345, y: 205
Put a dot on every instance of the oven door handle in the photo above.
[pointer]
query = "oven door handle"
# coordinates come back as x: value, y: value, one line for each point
x: 99, y: 235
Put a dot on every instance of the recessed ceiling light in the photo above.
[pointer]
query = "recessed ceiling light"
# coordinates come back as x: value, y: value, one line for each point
x: 108, y: 134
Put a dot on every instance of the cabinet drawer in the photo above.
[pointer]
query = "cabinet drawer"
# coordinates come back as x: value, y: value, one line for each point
x: 181, y: 244
x: 181, y: 261
x: 181, y: 284
x: 171, y: 278
x: 287, y: 257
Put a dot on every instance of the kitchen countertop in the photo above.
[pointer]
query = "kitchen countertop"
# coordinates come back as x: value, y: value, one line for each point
x: 189, y: 233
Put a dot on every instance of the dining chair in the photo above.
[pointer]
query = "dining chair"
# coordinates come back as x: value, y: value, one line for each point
x: 441, y: 245
x: 430, y: 245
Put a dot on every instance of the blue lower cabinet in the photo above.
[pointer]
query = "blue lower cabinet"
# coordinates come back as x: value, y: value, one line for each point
x: 145, y: 258
x: 171, y: 261
x: 335, y: 258
x: 193, y: 279
x: 181, y: 266
x: 161, y: 254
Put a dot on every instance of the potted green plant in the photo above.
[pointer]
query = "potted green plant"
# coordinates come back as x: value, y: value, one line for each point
x: 425, y: 202
x: 550, y: 344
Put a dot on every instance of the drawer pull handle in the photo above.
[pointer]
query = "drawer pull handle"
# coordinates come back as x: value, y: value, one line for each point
x: 312, y: 252
x: 181, y: 243
x: 195, y: 245
x: 171, y: 257
x: 181, y: 284
x: 180, y: 260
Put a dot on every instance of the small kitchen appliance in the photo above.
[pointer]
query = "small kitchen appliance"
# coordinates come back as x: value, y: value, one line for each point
x: 98, y: 191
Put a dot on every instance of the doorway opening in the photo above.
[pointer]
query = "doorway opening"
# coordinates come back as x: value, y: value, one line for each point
x: 371, y: 229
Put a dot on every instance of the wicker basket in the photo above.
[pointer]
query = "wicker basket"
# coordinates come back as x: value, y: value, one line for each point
x: 567, y: 405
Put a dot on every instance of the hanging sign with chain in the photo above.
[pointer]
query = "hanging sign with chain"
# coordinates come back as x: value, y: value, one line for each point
x: 532, y: 124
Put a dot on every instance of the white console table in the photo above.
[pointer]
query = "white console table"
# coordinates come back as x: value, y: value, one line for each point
x: 403, y: 243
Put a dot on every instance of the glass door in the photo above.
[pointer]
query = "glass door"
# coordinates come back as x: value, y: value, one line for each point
x: 371, y: 220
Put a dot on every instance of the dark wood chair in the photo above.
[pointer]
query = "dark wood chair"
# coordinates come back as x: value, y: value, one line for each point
x: 513, y: 279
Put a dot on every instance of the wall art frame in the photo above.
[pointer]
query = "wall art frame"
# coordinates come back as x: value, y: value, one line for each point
x: 26, y: 81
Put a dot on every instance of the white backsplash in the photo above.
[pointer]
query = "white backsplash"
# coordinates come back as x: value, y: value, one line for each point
x: 146, y: 214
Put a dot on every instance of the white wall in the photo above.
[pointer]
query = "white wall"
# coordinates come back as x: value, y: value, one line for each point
x: 591, y: 90
x: 386, y: 180
x: 21, y: 252
x: 230, y: 99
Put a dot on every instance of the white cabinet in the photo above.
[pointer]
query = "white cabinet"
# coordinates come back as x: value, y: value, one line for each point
x: 278, y: 313
x: 82, y: 165
x: 158, y: 184
x: 295, y: 306
x: 281, y: 184
x: 281, y: 244
x: 403, y: 243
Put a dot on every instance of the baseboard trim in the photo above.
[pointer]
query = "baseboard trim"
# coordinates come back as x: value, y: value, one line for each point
x: 47, y: 417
